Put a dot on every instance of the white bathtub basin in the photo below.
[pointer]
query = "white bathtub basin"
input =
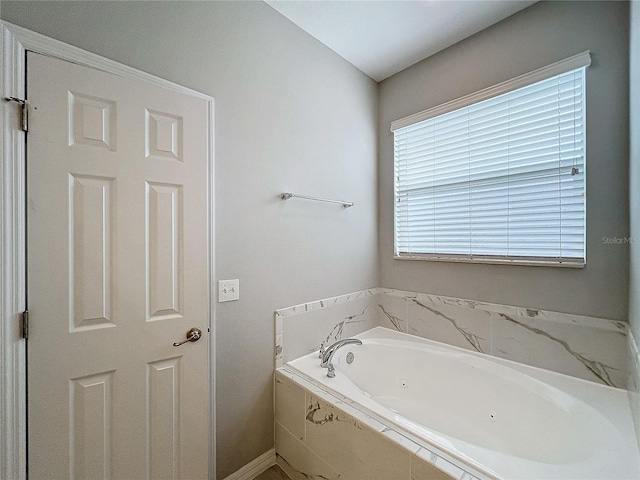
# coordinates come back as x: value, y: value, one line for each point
x: 504, y: 419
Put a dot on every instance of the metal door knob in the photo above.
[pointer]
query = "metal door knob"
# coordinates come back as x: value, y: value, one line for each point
x: 193, y: 335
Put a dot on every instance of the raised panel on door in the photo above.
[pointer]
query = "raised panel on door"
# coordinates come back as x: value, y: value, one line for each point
x: 91, y: 263
x: 90, y: 418
x: 117, y: 273
x: 163, y: 420
x: 164, y: 253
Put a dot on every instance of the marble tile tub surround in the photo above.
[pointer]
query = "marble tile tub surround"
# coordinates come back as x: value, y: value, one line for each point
x: 585, y: 347
x: 633, y: 383
x: 302, y: 328
x: 590, y: 348
x: 319, y: 436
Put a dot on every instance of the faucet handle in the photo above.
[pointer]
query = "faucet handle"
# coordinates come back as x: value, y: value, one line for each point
x: 321, y: 353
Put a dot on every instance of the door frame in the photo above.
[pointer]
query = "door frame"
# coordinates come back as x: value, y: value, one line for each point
x: 14, y: 43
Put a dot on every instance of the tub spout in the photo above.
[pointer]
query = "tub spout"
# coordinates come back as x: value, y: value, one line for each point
x: 331, y: 350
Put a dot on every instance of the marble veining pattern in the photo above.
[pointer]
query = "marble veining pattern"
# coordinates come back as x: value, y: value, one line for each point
x: 310, y: 476
x: 583, y: 320
x: 586, y: 347
x: 327, y: 302
x: 471, y: 338
x: 317, y: 415
x: 634, y: 354
x: 395, y: 321
x: 599, y: 369
x: 297, y: 335
x: 392, y: 312
x: 633, y: 386
x: 337, y: 331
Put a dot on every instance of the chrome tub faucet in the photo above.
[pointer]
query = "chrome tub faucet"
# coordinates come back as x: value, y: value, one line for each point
x: 327, y: 356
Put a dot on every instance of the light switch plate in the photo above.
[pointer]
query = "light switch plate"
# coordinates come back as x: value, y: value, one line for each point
x: 228, y: 290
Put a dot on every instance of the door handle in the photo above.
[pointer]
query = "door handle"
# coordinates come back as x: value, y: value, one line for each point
x: 193, y: 335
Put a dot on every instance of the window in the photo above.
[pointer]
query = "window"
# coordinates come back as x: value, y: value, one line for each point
x: 497, y: 176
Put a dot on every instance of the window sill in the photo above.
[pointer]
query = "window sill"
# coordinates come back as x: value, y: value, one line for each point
x: 495, y: 261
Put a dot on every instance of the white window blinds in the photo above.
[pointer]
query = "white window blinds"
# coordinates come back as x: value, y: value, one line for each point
x: 502, y: 179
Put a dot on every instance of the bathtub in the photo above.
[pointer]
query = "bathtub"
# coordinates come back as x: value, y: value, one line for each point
x: 493, y: 417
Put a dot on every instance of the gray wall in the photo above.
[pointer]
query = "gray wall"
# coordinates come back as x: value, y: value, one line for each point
x: 290, y: 115
x: 537, y: 36
x: 634, y: 167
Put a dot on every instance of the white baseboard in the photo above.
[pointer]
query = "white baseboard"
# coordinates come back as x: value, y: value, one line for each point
x: 253, y: 469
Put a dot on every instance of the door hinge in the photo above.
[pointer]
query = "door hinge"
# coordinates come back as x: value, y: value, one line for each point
x: 25, y: 324
x: 24, y: 112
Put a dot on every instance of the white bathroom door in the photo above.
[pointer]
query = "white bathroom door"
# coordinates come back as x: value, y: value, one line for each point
x: 117, y: 272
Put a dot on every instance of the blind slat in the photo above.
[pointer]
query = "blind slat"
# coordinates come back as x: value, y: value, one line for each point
x: 501, y: 178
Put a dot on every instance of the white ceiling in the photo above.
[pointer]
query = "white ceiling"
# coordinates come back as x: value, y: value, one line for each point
x: 384, y: 37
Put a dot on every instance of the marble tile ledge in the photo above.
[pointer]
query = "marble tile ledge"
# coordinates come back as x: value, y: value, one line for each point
x: 326, y: 302
x: 591, y: 348
x: 568, y: 318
